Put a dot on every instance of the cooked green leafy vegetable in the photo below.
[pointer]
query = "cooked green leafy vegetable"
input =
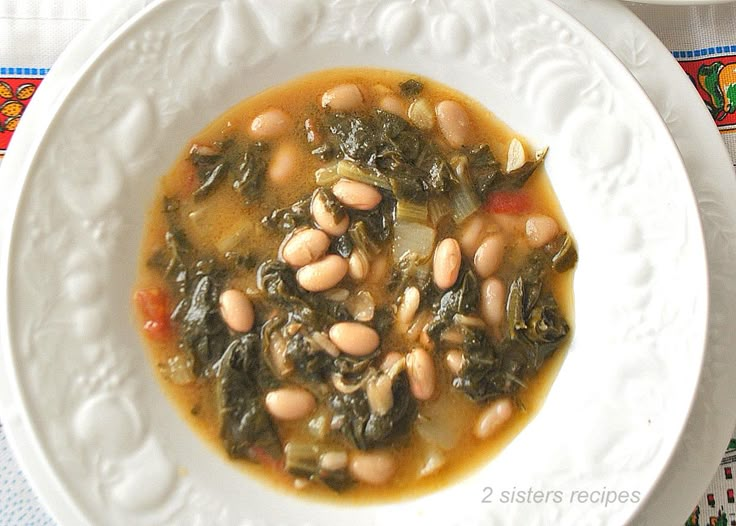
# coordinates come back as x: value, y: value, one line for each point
x: 277, y: 280
x: 251, y: 171
x: 303, y: 461
x: 535, y: 329
x: 563, y: 251
x: 203, y: 334
x: 310, y: 364
x: 212, y: 168
x: 367, y: 430
x: 245, y: 165
x: 411, y: 87
x: 244, y: 421
x: 288, y: 218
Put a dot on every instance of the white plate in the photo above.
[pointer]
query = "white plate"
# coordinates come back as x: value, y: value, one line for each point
x: 712, y: 419
x: 89, y: 405
x: 683, y: 3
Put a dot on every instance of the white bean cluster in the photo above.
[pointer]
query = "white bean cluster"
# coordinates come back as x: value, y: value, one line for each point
x: 480, y: 241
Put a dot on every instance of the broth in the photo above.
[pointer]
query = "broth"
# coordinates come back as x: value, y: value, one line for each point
x: 221, y: 223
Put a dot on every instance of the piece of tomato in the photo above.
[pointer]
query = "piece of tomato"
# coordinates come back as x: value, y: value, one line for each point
x: 261, y: 456
x: 153, y: 304
x: 508, y: 202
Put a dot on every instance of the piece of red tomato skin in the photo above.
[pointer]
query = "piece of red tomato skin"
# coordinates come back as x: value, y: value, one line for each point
x: 153, y: 305
x: 508, y: 202
x: 261, y: 456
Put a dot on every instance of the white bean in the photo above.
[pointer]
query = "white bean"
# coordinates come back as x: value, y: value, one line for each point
x: 492, y: 418
x: 290, y: 403
x: 389, y: 360
x: 283, y: 165
x: 489, y: 256
x: 304, y: 246
x: 453, y: 121
x: 354, y: 338
x: 380, y: 395
x: 446, y: 263
x: 540, y: 230
x: 358, y: 265
x: 323, y: 274
x: 333, y: 460
x: 343, y: 97
x: 472, y: 235
x: 356, y: 195
x: 454, y: 361
x: 409, y: 305
x: 392, y: 104
x: 270, y: 124
x: 493, y: 301
x: 421, y: 372
x: 237, y: 310
x: 375, y: 468
x: 325, y: 220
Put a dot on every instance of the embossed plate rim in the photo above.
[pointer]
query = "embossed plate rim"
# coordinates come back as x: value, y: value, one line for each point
x: 682, y: 3
x: 710, y: 167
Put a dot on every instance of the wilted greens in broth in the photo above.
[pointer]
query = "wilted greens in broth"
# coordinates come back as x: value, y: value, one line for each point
x: 356, y: 281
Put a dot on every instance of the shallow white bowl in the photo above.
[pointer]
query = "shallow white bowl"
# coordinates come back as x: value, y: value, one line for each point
x: 97, y: 416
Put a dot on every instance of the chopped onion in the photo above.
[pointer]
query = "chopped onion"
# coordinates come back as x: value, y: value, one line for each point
x: 434, y: 424
x: 413, y: 238
x: 350, y: 170
x: 438, y: 208
x: 340, y: 385
x: 319, y: 426
x: 277, y: 353
x: 321, y: 340
x: 361, y: 306
x: 242, y: 231
x: 337, y: 294
x: 465, y: 200
x: 469, y: 321
x: 178, y: 370
x: 327, y: 176
x: 408, y: 211
x: 434, y: 461
x: 417, y: 327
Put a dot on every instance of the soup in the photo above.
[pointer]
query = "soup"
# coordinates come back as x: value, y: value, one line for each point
x: 357, y: 284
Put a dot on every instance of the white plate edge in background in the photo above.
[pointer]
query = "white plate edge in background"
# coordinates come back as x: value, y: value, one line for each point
x: 713, y: 416
x: 11, y: 157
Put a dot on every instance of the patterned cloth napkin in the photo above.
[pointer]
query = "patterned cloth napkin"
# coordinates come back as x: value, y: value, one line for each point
x: 703, y: 40
x: 34, y: 32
